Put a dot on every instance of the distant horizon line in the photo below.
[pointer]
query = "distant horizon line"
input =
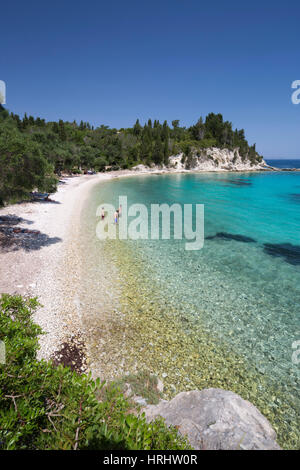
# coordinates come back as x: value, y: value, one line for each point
x: 277, y: 158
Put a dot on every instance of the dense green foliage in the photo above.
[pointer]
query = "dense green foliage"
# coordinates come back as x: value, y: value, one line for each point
x: 47, y: 407
x: 23, y: 165
x: 33, y: 151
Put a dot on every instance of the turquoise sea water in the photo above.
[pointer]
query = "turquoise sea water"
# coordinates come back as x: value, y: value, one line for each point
x: 243, y: 287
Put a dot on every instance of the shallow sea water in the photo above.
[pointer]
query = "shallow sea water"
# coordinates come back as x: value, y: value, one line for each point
x: 224, y: 316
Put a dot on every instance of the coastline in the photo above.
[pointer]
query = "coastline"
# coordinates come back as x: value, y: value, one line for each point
x: 53, y: 272
x: 151, y: 336
x: 37, y: 265
x: 46, y: 265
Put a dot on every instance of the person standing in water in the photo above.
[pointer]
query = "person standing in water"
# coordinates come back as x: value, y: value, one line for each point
x: 102, y: 213
x: 116, y: 216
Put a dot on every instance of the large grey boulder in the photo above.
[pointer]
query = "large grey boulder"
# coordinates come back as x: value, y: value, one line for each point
x: 216, y: 419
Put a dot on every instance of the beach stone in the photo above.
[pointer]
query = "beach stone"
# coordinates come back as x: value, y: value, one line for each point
x: 128, y: 390
x: 216, y: 419
x: 139, y: 400
x: 160, y: 386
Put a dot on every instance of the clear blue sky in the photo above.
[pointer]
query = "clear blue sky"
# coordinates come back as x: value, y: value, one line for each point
x: 112, y: 62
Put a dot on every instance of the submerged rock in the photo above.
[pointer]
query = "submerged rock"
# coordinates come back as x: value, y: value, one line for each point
x: 215, y: 419
x: 290, y: 253
x: 231, y: 236
x: 294, y: 197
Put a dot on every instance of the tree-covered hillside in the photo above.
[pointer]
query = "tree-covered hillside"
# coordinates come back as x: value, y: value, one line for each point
x: 33, y: 151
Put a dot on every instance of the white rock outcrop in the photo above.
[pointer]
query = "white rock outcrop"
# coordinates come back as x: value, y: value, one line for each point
x: 210, y: 159
x: 215, y: 419
x: 215, y: 159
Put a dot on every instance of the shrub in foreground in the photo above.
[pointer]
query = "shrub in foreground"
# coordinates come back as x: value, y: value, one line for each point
x: 48, y: 407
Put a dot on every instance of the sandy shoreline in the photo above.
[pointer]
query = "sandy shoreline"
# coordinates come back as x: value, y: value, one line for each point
x: 47, y: 264
x: 35, y: 264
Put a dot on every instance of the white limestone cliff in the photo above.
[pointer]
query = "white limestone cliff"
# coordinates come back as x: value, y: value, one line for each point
x: 215, y: 159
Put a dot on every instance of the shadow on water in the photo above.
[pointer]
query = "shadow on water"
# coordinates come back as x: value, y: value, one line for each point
x: 290, y: 253
x: 13, y: 237
x: 294, y: 197
x: 231, y: 236
x: 240, y: 182
x: 235, y: 182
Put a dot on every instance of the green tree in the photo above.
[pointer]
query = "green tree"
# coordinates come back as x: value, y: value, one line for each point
x: 61, y: 130
x: 22, y: 167
x: 137, y: 128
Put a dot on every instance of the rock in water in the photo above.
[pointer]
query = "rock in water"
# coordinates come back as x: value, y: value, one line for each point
x: 215, y: 419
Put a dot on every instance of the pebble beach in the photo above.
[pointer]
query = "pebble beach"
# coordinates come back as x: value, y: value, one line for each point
x: 102, y: 310
x: 40, y: 260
